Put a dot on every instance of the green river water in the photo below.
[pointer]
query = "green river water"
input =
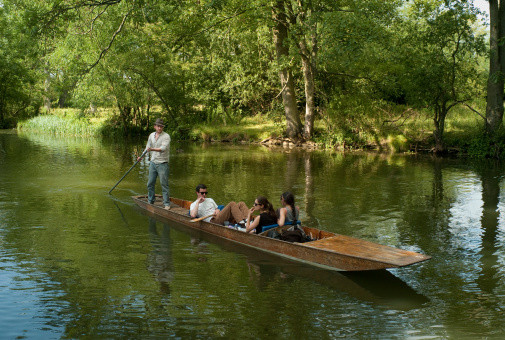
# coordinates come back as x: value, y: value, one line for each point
x: 79, y: 263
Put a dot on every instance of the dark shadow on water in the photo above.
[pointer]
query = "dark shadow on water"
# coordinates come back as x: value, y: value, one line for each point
x: 380, y: 288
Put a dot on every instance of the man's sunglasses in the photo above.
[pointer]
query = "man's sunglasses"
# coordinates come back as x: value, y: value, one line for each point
x: 203, y: 192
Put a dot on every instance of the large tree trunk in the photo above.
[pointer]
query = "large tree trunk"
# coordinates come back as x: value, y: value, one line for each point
x: 280, y: 33
x: 308, y: 55
x: 495, y: 83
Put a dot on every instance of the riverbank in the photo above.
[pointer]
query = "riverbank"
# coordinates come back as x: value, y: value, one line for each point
x: 411, y: 132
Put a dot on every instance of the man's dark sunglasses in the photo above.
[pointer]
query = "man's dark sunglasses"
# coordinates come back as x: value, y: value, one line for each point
x: 203, y: 192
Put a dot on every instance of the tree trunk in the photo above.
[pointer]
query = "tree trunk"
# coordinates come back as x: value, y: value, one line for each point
x: 280, y: 33
x: 2, y: 104
x: 47, y: 87
x: 310, y: 103
x: 438, y: 134
x: 495, y: 83
x: 62, y: 99
x: 125, y: 117
x: 308, y: 65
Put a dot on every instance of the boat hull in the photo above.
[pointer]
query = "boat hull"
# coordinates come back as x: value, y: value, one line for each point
x: 330, y: 250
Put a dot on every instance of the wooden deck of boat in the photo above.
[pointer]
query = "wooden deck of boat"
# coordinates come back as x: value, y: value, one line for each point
x: 351, y: 246
x: 173, y: 207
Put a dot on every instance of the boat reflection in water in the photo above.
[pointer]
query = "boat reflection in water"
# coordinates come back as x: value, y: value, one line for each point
x: 379, y: 287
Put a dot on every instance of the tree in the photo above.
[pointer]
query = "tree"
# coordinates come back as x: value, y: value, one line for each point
x: 308, y: 14
x: 20, y: 67
x: 280, y: 34
x: 356, y: 67
x: 439, y: 58
x: 495, y: 83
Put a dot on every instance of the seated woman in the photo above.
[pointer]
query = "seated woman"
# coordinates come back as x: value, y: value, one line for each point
x: 289, y: 212
x: 267, y: 215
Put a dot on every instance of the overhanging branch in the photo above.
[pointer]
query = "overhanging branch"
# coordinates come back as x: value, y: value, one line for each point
x: 105, y: 50
x: 477, y: 112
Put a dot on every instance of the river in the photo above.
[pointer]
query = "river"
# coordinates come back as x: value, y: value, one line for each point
x: 79, y: 263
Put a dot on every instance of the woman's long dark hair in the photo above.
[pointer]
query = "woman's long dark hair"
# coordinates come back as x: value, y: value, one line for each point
x: 267, y: 205
x: 289, y: 198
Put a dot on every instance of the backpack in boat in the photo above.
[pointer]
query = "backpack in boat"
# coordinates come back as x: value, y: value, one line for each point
x: 274, y: 234
x: 294, y: 234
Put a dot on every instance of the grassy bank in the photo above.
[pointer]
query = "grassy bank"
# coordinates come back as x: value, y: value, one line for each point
x: 393, y: 129
x: 64, y: 122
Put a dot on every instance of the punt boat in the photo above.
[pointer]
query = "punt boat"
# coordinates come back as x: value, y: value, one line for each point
x: 327, y: 250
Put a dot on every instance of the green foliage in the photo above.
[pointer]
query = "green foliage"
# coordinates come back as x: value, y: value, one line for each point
x: 399, y: 143
x: 479, y: 146
x: 440, y: 57
x: 483, y: 146
x: 385, y: 69
x: 18, y: 64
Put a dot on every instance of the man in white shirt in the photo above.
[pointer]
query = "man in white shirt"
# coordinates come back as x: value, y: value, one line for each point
x: 158, y: 144
x: 204, y: 206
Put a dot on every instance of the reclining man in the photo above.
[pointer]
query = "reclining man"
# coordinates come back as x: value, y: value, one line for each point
x: 205, y: 206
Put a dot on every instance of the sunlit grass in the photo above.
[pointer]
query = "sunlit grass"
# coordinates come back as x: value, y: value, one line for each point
x: 249, y: 129
x: 61, y: 126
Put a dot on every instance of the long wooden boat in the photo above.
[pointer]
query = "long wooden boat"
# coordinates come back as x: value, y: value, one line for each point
x: 328, y: 250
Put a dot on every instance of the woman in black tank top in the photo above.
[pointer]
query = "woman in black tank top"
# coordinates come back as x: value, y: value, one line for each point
x: 267, y: 215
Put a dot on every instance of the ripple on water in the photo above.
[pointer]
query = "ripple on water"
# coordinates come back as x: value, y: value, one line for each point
x: 30, y: 303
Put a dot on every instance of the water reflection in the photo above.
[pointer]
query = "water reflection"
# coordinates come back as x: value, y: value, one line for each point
x: 309, y: 197
x: 103, y: 270
x: 159, y: 261
x: 491, y: 176
x: 488, y: 281
x: 378, y: 287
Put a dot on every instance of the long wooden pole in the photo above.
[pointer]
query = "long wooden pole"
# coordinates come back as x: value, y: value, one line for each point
x: 138, y: 159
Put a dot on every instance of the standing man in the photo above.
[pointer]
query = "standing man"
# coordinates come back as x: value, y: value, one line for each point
x: 158, y: 144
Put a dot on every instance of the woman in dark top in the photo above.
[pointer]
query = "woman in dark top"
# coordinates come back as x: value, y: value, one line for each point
x: 267, y: 215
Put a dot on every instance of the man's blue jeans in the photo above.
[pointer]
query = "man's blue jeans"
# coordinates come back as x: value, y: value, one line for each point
x: 156, y: 170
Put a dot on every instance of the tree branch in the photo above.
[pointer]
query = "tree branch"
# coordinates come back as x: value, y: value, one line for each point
x: 181, y: 38
x: 105, y: 50
x: 156, y: 90
x: 349, y: 75
x: 96, y: 18
x: 477, y: 112
x: 60, y: 8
